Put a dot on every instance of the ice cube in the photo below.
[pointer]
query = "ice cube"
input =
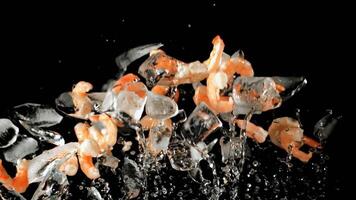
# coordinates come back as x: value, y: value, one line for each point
x: 41, y: 164
x: 44, y: 135
x: 20, y: 149
x: 53, y: 186
x: 160, y: 107
x: 180, y: 156
x: 158, y: 139
x: 37, y: 115
x: 324, y: 127
x: 291, y: 85
x: 64, y: 103
x: 8, y: 133
x: 201, y: 122
x: 132, y: 177
x: 130, y: 102
x: 126, y: 58
x: 255, y: 94
x: 93, y: 193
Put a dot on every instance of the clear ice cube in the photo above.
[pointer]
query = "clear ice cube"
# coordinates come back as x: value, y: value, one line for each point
x: 44, y: 135
x: 37, y: 115
x: 53, y: 186
x: 200, y: 123
x: 20, y: 149
x: 160, y: 107
x: 255, y: 94
x: 133, y: 178
x: 8, y: 133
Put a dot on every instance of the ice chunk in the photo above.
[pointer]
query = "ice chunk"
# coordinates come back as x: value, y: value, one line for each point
x: 53, y: 186
x: 291, y: 85
x: 132, y: 102
x: 6, y: 194
x: 201, y: 122
x: 64, y: 103
x: 255, y: 94
x: 8, y: 133
x: 37, y: 115
x: 133, y: 178
x: 160, y: 107
x: 44, y: 135
x: 21, y: 149
x: 324, y: 127
x: 110, y: 161
x: 126, y: 58
x: 230, y: 148
x: 158, y: 139
x: 40, y: 165
x: 93, y: 193
x: 180, y: 156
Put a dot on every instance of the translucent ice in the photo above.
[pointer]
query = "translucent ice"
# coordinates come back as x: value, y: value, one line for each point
x: 291, y: 85
x: 37, y: 115
x: 21, y: 149
x: 53, y: 186
x: 94, y: 193
x: 40, y: 165
x: 160, y: 107
x: 44, y: 135
x: 8, y: 133
x: 132, y: 177
x: 255, y: 94
x: 201, y: 122
x: 324, y: 127
x: 126, y: 58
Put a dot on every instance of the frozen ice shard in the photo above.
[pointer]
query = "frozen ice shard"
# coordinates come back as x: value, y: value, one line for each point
x: 255, y: 94
x: 53, y: 186
x: 158, y: 139
x: 133, y: 178
x: 8, y: 133
x: 43, y: 163
x: 132, y: 102
x: 291, y: 85
x: 126, y: 58
x: 94, y: 193
x: 160, y: 107
x: 44, y: 135
x: 37, y: 115
x: 20, y: 149
x: 64, y: 103
x: 324, y: 127
x: 200, y: 123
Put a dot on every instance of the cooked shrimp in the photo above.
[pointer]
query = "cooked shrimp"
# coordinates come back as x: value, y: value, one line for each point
x: 164, y: 90
x: 128, y: 78
x: 70, y: 166
x: 252, y: 131
x: 87, y: 166
x: 81, y: 101
x: 286, y: 133
x: 20, y: 182
x: 216, y: 81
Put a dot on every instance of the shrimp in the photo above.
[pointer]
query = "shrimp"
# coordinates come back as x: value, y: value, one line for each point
x: 254, y: 132
x: 70, y: 166
x: 87, y: 166
x: 216, y: 81
x: 20, y: 182
x: 83, y: 105
x: 164, y: 90
x: 168, y: 71
x: 128, y: 78
x: 285, y: 133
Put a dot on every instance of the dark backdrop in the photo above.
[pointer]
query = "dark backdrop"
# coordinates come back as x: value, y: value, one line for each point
x: 46, y: 52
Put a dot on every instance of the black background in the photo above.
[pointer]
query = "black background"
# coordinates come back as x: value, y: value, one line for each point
x: 45, y: 52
